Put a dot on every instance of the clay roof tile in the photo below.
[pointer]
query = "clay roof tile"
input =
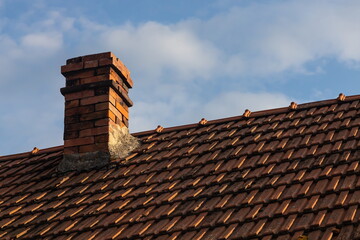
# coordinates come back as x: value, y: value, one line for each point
x: 285, y: 172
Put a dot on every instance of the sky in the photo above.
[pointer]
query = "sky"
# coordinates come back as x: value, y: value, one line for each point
x: 189, y: 59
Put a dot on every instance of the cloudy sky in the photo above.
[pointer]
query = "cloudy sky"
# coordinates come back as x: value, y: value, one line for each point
x: 188, y: 59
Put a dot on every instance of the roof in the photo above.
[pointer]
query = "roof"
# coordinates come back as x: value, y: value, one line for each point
x: 276, y: 174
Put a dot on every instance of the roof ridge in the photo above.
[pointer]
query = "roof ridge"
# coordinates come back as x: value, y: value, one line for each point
x: 29, y: 153
x: 220, y: 120
x: 260, y: 113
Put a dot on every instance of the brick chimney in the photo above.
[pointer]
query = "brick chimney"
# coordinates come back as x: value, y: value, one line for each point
x: 96, y: 111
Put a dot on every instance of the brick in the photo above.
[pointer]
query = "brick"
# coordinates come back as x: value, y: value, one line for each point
x: 101, y: 138
x: 119, y: 79
x: 97, y: 56
x: 94, y: 147
x: 95, y: 115
x: 80, y: 110
x: 115, y: 111
x: 74, y: 60
x: 102, y: 106
x: 121, y: 109
x: 121, y: 86
x: 112, y: 123
x: 94, y: 131
x: 123, y: 104
x: 124, y: 88
x: 71, y: 135
x: 72, y: 103
x: 71, y: 150
x: 102, y: 122
x: 93, y: 79
x: 72, y: 119
x: 71, y: 83
x: 102, y: 91
x: 112, y: 100
x: 103, y: 70
x: 117, y: 98
x: 78, y: 141
x: 118, y: 120
x: 79, y: 95
x: 115, y: 76
x: 130, y: 82
x: 95, y: 99
x: 105, y: 61
x: 115, y: 95
x: 79, y: 126
x: 112, y: 116
x: 125, y: 118
x: 81, y: 74
x: 123, y: 69
x: 71, y: 67
x: 91, y: 64
x: 125, y: 121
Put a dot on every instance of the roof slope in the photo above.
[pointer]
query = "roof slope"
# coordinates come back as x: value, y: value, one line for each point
x: 276, y: 174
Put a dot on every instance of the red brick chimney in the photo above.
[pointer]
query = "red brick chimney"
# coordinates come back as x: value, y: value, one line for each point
x: 96, y: 111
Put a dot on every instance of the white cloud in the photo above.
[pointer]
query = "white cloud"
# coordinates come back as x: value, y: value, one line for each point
x: 48, y: 42
x: 166, y: 105
x: 265, y: 38
x: 147, y: 115
x: 56, y: 20
x: 253, y: 40
x: 29, y: 95
x: 32, y: 43
x: 156, y: 49
x: 234, y: 103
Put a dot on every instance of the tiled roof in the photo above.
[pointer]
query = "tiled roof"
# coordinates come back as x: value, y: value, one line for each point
x: 276, y: 174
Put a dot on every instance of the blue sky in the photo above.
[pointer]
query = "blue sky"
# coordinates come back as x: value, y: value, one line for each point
x: 188, y: 59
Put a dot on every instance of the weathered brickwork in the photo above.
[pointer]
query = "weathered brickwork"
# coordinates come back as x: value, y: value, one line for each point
x: 96, y: 100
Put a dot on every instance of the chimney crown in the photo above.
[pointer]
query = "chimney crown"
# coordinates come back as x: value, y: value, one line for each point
x: 96, y: 109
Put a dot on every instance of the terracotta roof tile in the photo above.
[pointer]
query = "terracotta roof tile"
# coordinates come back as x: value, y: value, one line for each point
x: 275, y: 174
